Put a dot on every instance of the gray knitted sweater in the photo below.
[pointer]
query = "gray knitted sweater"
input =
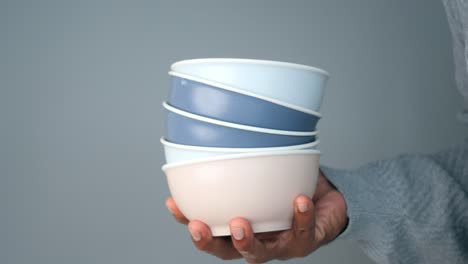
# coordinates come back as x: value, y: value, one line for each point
x: 414, y: 208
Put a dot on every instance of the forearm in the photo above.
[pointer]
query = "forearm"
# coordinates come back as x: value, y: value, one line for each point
x: 411, y: 209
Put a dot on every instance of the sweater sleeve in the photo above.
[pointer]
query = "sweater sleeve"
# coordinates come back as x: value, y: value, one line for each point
x: 457, y: 17
x: 414, y: 208
x: 410, y: 209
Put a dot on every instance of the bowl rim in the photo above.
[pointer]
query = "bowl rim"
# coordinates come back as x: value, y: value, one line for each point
x: 244, y: 92
x: 237, y: 126
x: 167, y: 143
x: 251, y: 61
x: 240, y: 156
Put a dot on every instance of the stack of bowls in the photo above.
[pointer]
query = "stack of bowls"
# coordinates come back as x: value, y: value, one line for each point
x: 241, y: 140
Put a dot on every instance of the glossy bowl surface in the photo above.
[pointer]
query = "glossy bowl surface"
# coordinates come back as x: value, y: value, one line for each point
x: 222, y: 102
x: 190, y: 129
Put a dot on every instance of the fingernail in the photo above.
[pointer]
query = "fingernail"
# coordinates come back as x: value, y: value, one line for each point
x: 302, y: 206
x: 195, y: 235
x: 237, y: 233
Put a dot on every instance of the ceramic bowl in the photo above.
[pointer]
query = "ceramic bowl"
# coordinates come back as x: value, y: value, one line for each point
x: 298, y: 85
x: 181, y: 153
x: 260, y: 187
x: 225, y: 103
x: 189, y: 129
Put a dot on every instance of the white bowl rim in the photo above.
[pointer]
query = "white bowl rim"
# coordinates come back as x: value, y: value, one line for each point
x: 252, y: 61
x: 238, y: 126
x: 247, y: 93
x: 240, y: 156
x: 235, y: 150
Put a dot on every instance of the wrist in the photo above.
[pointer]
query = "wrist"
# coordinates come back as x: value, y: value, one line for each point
x: 340, y: 202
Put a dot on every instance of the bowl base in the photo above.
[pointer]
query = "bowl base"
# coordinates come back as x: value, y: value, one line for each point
x: 223, y: 230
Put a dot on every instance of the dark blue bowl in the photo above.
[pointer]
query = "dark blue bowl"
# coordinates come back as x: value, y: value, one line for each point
x: 190, y: 129
x: 220, y: 102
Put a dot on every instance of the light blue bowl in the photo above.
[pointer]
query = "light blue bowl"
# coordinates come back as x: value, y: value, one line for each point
x: 180, y: 153
x: 298, y: 85
x: 190, y: 129
x: 224, y: 103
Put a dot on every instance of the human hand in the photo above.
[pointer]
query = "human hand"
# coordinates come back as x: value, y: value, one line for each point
x: 316, y: 222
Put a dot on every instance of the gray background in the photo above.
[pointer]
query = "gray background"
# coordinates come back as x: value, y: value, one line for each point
x: 82, y: 83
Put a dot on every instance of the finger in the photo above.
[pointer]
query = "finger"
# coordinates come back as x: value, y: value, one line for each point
x: 304, y: 218
x: 268, y: 236
x: 246, y: 244
x: 303, y: 227
x: 172, y: 207
x: 299, y: 242
x: 204, y: 241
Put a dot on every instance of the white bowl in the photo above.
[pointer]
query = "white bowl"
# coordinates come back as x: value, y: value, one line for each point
x: 180, y: 153
x: 260, y: 187
x: 300, y: 87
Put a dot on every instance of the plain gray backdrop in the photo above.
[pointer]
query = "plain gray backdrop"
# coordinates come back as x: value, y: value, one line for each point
x: 80, y: 103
